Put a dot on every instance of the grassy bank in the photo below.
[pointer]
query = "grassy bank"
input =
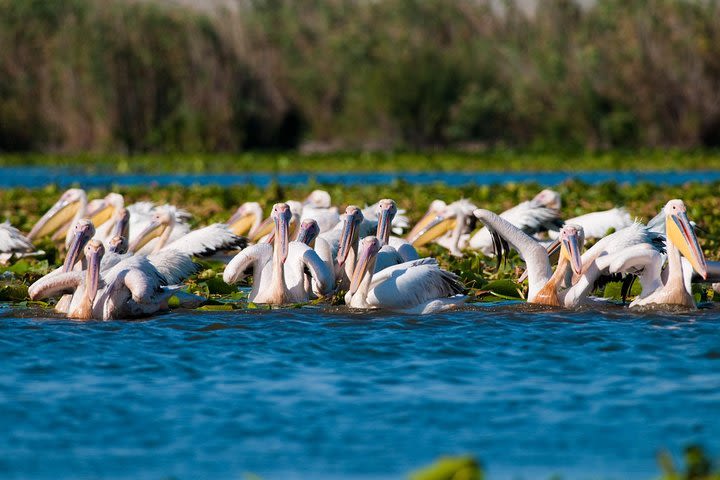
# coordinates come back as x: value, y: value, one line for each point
x: 492, y: 160
x: 109, y: 76
x: 209, y: 204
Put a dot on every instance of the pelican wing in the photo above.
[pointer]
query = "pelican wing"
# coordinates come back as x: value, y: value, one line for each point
x: 235, y: 270
x: 207, y: 241
x: 532, y: 218
x: 54, y: 284
x: 173, y: 265
x: 413, y: 283
x: 143, y: 283
x: 11, y: 240
x: 326, y: 218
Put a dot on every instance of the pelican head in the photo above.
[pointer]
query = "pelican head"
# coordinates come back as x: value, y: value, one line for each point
x: 353, y: 218
x: 105, y: 209
x: 681, y: 234
x: 572, y: 237
x: 161, y: 225
x: 548, y: 198
x: 94, y: 252
x: 318, y: 199
x: 309, y: 230
x: 121, y: 219
x: 245, y: 218
x: 83, y: 231
x: 281, y: 215
x: 118, y: 244
x: 60, y: 213
x: 369, y: 248
x: 436, y: 207
x: 387, y: 209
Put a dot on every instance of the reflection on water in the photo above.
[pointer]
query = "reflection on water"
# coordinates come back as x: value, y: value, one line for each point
x: 38, y: 177
x: 306, y: 393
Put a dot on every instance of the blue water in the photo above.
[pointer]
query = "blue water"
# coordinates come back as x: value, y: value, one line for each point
x: 38, y: 177
x: 324, y: 394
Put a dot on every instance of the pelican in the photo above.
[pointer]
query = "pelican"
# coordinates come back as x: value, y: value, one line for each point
x: 415, y: 287
x: 355, y: 227
x: 132, y: 288
x: 400, y: 222
x: 544, y: 286
x: 201, y: 242
x: 318, y: 206
x: 448, y: 225
x: 597, y: 224
x: 680, y: 242
x: 278, y: 269
x: 387, y: 210
x: 540, y: 214
x: 69, y: 208
x: 265, y: 231
x: 14, y: 244
x: 246, y: 219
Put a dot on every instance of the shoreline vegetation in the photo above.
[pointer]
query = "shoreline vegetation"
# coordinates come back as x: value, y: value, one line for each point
x: 492, y: 160
x: 111, y: 76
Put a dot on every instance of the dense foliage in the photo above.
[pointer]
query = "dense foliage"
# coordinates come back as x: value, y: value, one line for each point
x: 99, y: 75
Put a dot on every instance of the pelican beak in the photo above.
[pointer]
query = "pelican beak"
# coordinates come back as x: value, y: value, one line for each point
x: 122, y: 224
x: 570, y: 249
x: 94, y: 253
x: 101, y: 214
x: 83, y: 233
x: 346, y: 239
x: 153, y: 230
x: 680, y: 233
x: 385, y: 224
x: 282, y: 227
x: 265, y: 228
x: 367, y: 254
x: 59, y: 214
x: 241, y: 222
x: 432, y: 227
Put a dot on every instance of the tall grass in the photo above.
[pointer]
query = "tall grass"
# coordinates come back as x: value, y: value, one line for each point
x: 112, y: 75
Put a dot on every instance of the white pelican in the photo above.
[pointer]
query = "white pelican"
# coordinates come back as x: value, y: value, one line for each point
x: 400, y: 222
x: 540, y: 214
x: 387, y: 210
x: 308, y: 235
x: 447, y: 225
x: 318, y: 206
x: 132, y: 288
x: 65, y: 212
x: 416, y: 287
x: 13, y: 243
x: 200, y: 242
x: 544, y: 286
x: 680, y: 240
x: 597, y: 224
x: 279, y: 268
x: 246, y: 219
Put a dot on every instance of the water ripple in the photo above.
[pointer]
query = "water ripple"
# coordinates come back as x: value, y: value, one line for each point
x: 332, y: 394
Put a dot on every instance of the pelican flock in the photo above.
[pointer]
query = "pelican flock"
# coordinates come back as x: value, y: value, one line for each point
x: 126, y: 261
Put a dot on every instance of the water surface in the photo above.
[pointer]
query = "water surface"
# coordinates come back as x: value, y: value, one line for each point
x: 308, y: 393
x: 42, y: 176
